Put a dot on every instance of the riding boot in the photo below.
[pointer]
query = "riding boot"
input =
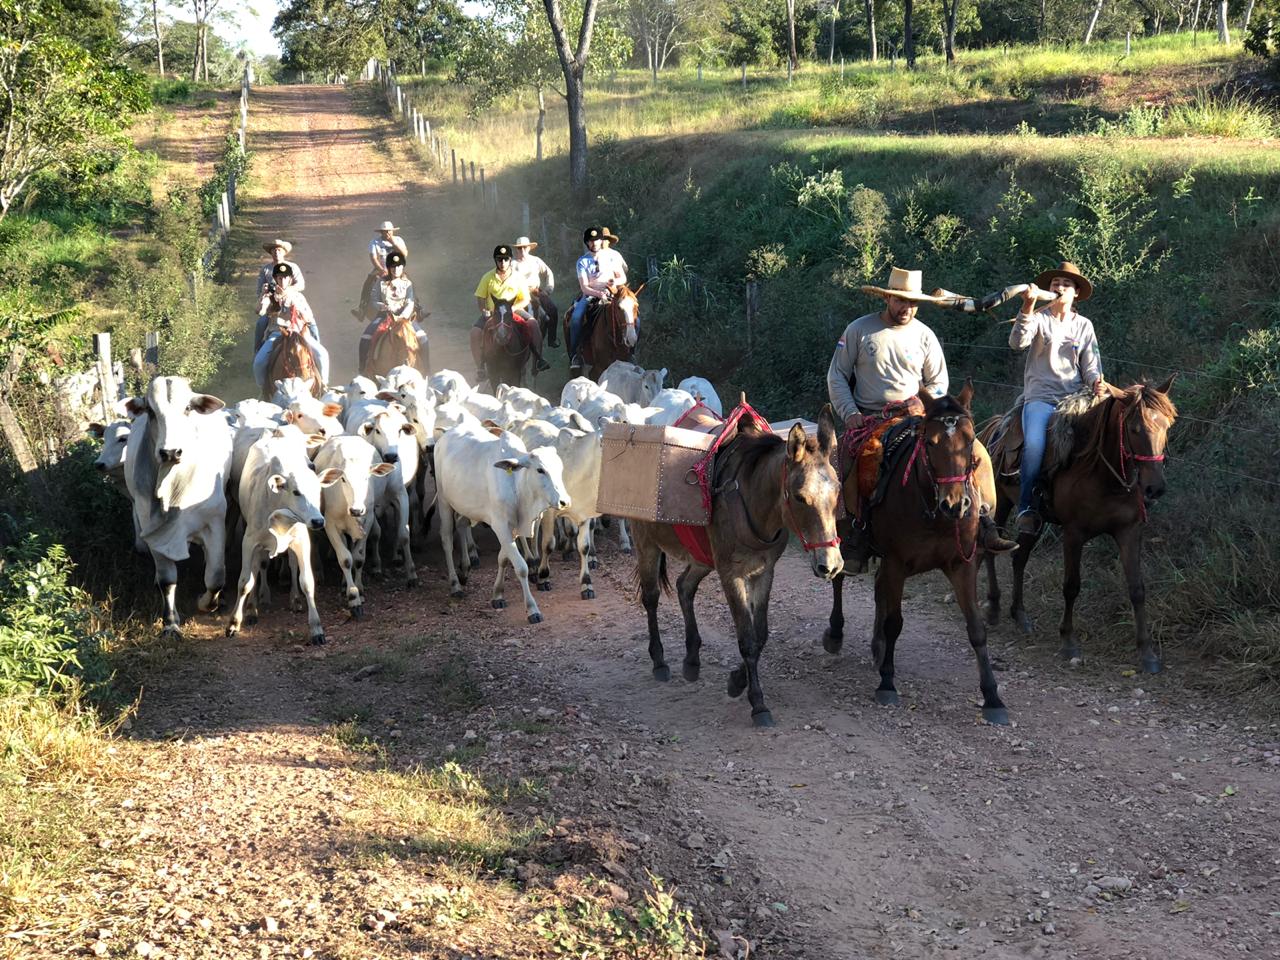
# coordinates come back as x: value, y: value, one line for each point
x: 858, y: 549
x: 990, y: 537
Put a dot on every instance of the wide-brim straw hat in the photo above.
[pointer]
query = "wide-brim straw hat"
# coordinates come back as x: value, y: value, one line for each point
x: 526, y: 242
x: 907, y: 284
x: 270, y: 247
x: 608, y: 235
x: 387, y: 225
x: 1068, y: 270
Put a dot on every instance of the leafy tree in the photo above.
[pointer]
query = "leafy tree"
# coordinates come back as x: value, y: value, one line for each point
x: 60, y: 104
x: 341, y: 35
x: 665, y: 27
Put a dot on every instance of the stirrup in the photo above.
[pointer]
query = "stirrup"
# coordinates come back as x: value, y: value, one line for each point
x: 1034, y: 524
x: 540, y: 365
x: 992, y: 537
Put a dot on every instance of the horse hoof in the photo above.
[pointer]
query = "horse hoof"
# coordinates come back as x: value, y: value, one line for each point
x: 318, y: 640
x: 737, y: 682
x: 588, y: 593
x: 1151, y: 664
x: 535, y: 618
x: 832, y: 642
x: 997, y: 716
x: 993, y: 614
x: 662, y: 673
x: 1071, y: 654
x: 357, y: 612
x: 762, y: 719
x: 171, y: 633
x: 544, y: 586
x: 497, y: 604
x: 475, y: 563
x: 232, y: 631
x: 691, y: 671
x: 1024, y: 622
x: 887, y: 698
x: 411, y: 582
x: 458, y: 594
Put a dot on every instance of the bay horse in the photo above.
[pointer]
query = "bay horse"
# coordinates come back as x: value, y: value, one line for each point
x: 927, y: 520
x: 292, y: 358
x: 1114, y: 470
x: 395, y: 343
x: 505, y: 350
x: 763, y: 487
x: 612, y: 330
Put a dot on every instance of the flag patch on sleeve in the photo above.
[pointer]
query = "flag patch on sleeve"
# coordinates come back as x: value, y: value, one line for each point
x: 840, y: 342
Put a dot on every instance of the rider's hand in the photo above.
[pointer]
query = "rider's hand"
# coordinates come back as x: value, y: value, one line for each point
x: 1029, y: 297
x: 1098, y: 387
x: 853, y: 421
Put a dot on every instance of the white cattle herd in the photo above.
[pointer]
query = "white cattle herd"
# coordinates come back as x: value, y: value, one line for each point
x: 367, y: 462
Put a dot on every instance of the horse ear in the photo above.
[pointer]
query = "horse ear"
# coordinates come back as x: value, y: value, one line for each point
x: 98, y: 429
x: 1114, y: 391
x: 827, y: 431
x: 637, y: 290
x: 966, y: 394
x: 926, y: 397
x: 796, y: 442
x: 1164, y: 387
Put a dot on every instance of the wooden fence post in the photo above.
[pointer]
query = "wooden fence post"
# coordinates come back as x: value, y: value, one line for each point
x: 744, y: 78
x: 12, y: 430
x: 106, y: 375
x: 151, y: 355
x: 454, y: 156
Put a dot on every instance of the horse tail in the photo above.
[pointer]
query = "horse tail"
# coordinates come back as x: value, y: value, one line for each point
x: 664, y: 580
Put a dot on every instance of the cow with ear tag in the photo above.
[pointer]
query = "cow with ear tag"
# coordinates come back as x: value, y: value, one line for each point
x: 280, y: 500
x: 176, y: 464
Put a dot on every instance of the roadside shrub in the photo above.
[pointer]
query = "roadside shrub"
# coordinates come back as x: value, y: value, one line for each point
x: 1109, y: 238
x: 1210, y: 115
x: 232, y: 162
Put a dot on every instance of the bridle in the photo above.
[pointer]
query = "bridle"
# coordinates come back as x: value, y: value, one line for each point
x: 788, y: 516
x: 1130, y: 483
x: 950, y: 422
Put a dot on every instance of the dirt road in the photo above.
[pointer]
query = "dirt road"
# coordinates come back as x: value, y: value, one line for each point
x: 1119, y: 816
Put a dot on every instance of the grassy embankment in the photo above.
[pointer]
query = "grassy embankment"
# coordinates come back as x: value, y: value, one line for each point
x: 1181, y: 235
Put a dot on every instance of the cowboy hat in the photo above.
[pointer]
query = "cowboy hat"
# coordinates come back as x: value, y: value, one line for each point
x: 284, y: 244
x: 608, y: 235
x: 526, y: 242
x: 907, y: 284
x: 1069, y: 271
x: 387, y: 227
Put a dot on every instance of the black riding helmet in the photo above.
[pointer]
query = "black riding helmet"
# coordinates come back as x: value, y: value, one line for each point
x: 395, y: 259
x: 592, y: 233
x: 502, y: 252
x: 282, y: 270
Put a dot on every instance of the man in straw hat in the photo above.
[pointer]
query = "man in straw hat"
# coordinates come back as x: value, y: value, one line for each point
x: 541, y: 282
x: 384, y: 241
x: 881, y: 362
x: 1062, y: 359
x: 279, y: 250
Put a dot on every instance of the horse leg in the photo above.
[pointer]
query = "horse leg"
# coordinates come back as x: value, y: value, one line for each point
x: 1129, y: 540
x: 649, y: 574
x: 1072, y: 549
x: 1026, y: 543
x: 833, y: 636
x: 1003, y: 509
x: 964, y: 581
x: 890, y: 579
x: 686, y: 589
x: 743, y: 595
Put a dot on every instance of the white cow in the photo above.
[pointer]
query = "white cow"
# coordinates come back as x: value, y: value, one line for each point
x: 492, y: 478
x: 577, y: 391
x: 523, y: 401
x: 258, y: 413
x: 633, y: 383
x: 704, y: 393
x: 384, y: 425
x: 450, y: 383
x: 176, y: 464
x: 564, y: 417
x: 280, y: 500
x: 350, y: 507
x: 485, y: 407
x: 398, y: 377
x: 669, y: 406
x: 110, y: 463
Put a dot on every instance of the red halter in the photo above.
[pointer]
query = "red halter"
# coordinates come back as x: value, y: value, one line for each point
x: 790, y: 519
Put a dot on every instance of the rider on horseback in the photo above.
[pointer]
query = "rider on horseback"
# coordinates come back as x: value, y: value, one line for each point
x: 395, y: 300
x: 600, y: 272
x: 293, y: 315
x: 504, y: 283
x: 384, y: 241
x: 279, y: 249
x: 881, y: 362
x: 1062, y: 359
x: 541, y: 282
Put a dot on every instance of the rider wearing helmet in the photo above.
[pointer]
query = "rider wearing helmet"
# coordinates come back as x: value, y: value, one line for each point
x: 504, y: 283
x: 395, y: 299
x: 598, y: 275
x: 293, y: 315
x: 384, y: 241
x: 540, y: 280
x: 279, y: 250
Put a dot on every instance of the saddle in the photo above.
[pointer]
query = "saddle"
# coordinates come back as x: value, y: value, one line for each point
x: 1002, y: 436
x: 1004, y: 440
x: 877, y: 459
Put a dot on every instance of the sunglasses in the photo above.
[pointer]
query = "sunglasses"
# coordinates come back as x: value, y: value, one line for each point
x: 502, y: 259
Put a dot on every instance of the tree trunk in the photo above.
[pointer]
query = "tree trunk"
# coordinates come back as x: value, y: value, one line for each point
x: 1248, y: 14
x: 653, y: 60
x: 577, y: 133
x: 1040, y: 24
x: 1224, y: 36
x: 952, y: 8
x: 871, y: 28
x: 573, y: 65
x: 831, y: 49
x: 908, y: 39
x: 791, y: 34
x: 195, y: 53
x: 155, y: 25
x: 542, y: 121
x: 1093, y: 22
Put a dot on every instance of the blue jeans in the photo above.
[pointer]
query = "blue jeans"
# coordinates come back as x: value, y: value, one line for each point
x: 1035, y: 428
x: 575, y: 325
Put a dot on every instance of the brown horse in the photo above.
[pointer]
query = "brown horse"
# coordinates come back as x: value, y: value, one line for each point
x: 614, y: 330
x: 763, y: 487
x: 506, y: 352
x: 292, y: 358
x: 395, y: 343
x: 927, y: 520
x: 1114, y: 470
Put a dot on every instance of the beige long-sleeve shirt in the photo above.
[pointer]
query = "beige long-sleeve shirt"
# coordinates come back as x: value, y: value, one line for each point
x: 1062, y: 355
x: 875, y: 364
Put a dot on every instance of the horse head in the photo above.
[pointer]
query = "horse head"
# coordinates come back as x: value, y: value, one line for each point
x: 811, y: 494
x: 503, y: 322
x: 946, y: 442
x: 628, y: 304
x: 1145, y: 416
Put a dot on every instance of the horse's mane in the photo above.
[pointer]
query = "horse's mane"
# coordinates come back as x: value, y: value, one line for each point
x: 1091, y: 426
x: 750, y: 447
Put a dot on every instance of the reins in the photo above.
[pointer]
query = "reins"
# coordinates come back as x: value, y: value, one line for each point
x: 918, y: 453
x: 1122, y: 475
